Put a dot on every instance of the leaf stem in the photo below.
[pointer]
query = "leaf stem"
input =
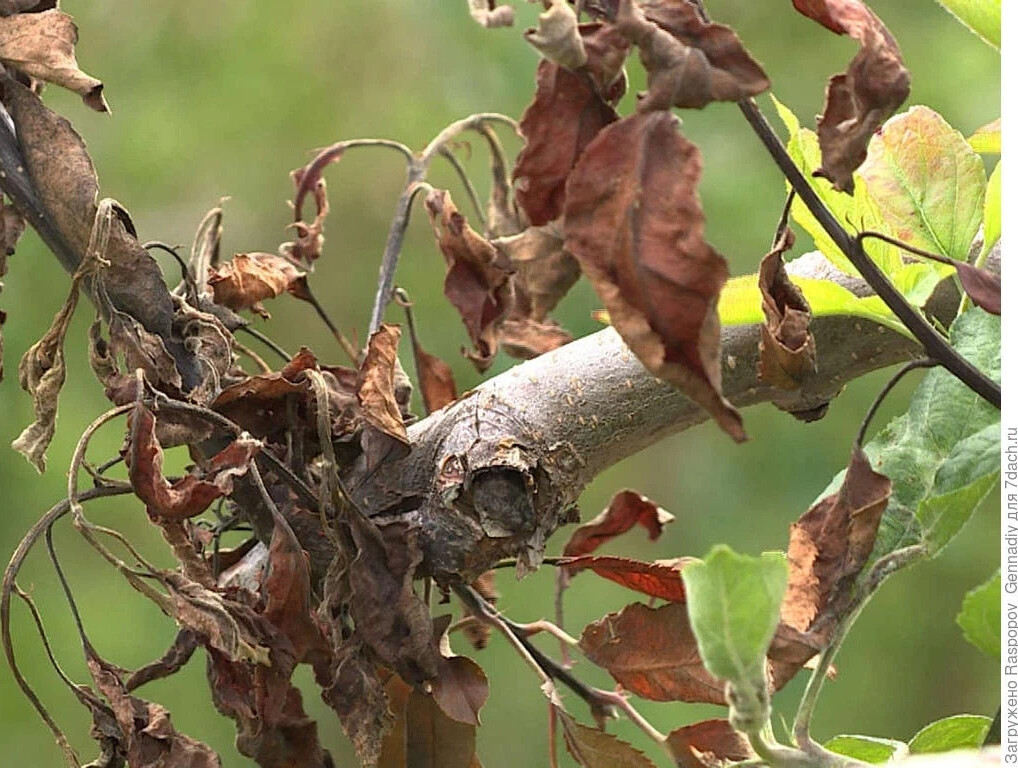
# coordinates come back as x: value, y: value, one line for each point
x: 925, y: 362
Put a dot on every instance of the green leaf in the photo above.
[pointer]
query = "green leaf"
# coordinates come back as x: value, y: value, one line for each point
x: 869, y: 749
x: 733, y: 603
x: 927, y: 182
x: 980, y: 16
x: 739, y: 303
x: 942, y: 454
x: 857, y: 211
x: 916, y: 281
x: 957, y: 732
x: 991, y: 213
x: 979, y: 618
x: 986, y: 140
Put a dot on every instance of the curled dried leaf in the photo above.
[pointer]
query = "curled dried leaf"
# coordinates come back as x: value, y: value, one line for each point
x: 557, y: 36
x: 709, y: 744
x: 689, y: 63
x: 633, y: 221
x: 384, y: 437
x: 787, y: 348
x: 438, y: 388
x: 661, y: 578
x: 568, y: 111
x: 627, y: 508
x: 527, y: 338
x: 249, y: 278
x: 42, y: 46
x: 545, y: 271
x: 490, y: 13
x: 859, y: 100
x: 310, y: 237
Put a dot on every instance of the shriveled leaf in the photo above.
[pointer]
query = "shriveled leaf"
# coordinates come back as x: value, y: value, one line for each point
x: 858, y: 101
x: 310, y: 237
x: 734, y: 601
x: 869, y: 749
x: 460, y: 689
x: 250, y: 278
x: 475, y: 284
x: 177, y: 655
x: 393, y: 752
x: 627, y: 508
x: 568, y: 111
x: 191, y: 495
x: 633, y: 221
x: 830, y: 544
x: 491, y: 13
x: 438, y: 388
x: 981, y: 16
x: 661, y: 578
x: 787, y: 349
x: 986, y: 139
x: 434, y: 740
x: 545, y: 271
x: 42, y: 46
x: 928, y: 182
x: 479, y: 632
x: 709, y: 744
x: 557, y: 36
x: 593, y: 748
x: 526, y: 338
x: 652, y: 652
x: 384, y: 436
x: 979, y: 618
x: 957, y: 732
x: 689, y: 63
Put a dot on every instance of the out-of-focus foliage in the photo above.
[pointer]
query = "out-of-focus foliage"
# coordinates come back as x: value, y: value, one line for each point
x: 214, y: 99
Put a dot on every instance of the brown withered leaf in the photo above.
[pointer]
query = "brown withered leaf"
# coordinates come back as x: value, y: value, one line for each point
x: 384, y: 436
x: 591, y: 747
x: 434, y: 740
x: 791, y: 650
x: 709, y: 744
x: 191, y: 495
x: 652, y: 652
x: 150, y: 740
x: 568, y: 111
x: 689, y: 63
x: 859, y: 100
x: 42, y: 46
x: 250, y: 278
x: 526, y: 338
x: 475, y: 284
x: 981, y: 285
x: 461, y: 689
x: 479, y: 632
x: 491, y: 13
x: 787, y: 349
x: 177, y: 655
x: 545, y: 271
x: 393, y: 752
x: 310, y: 237
x: 633, y: 221
x: 557, y: 36
x: 627, y: 508
x: 829, y: 545
x: 660, y: 578
x: 438, y: 388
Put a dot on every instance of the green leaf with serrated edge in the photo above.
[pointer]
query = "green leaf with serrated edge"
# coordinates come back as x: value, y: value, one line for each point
x: 991, y: 213
x: 937, y: 454
x: 980, y: 16
x: 739, y: 303
x: 957, y: 732
x: 869, y: 749
x: 986, y: 139
x: 979, y: 618
x: 733, y: 603
x: 855, y: 212
x: 928, y: 182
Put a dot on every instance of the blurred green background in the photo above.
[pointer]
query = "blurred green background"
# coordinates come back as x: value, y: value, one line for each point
x: 213, y: 98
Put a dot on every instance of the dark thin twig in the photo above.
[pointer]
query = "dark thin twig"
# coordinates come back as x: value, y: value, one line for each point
x: 344, y: 342
x: 925, y: 362
x: 906, y: 247
x: 783, y: 221
x: 286, y: 356
x: 468, y: 185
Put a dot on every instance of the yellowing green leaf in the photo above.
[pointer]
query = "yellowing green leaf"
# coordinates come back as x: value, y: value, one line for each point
x: 986, y: 140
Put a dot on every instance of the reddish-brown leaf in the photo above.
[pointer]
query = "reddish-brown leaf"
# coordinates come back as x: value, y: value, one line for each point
x: 475, y: 284
x: 830, y: 544
x: 709, y: 744
x: 627, y: 508
x: 310, y: 237
x: 689, y: 63
x: 787, y: 349
x: 633, y: 221
x: 545, y: 271
x: 652, y: 652
x: 460, y: 689
x: 434, y: 740
x: 438, y: 388
x: 661, y: 578
x: 858, y: 101
x: 594, y: 748
x: 191, y: 495
x: 384, y: 437
x: 526, y: 338
x: 250, y: 278
x: 982, y: 286
x: 568, y: 111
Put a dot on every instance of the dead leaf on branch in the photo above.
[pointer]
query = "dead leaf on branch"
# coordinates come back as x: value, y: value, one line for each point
x: 433, y: 739
x: 660, y: 578
x: 310, y: 237
x: 557, y: 36
x: 491, y: 13
x: 633, y: 220
x: 545, y: 271
x: 689, y: 63
x: 627, y: 508
x: 830, y: 544
x: 250, y: 278
x: 475, y: 284
x: 981, y: 285
x: 438, y: 388
x: 384, y: 437
x: 526, y: 338
x: 42, y: 46
x: 709, y: 744
x: 569, y: 109
x: 859, y: 100
x: 787, y: 349
x: 592, y: 747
